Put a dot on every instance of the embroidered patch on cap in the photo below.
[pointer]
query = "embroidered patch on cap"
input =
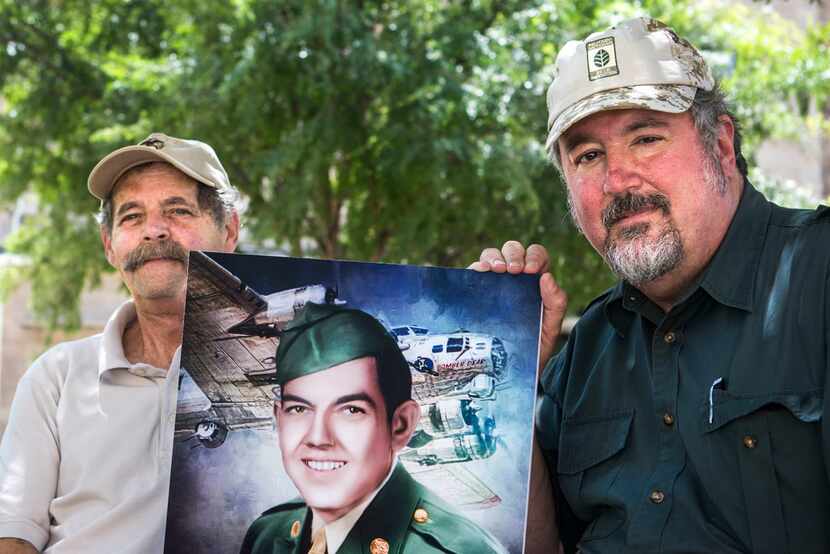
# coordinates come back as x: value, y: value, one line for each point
x: 602, y: 58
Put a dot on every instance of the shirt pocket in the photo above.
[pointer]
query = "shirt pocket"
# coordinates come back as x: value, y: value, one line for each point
x: 762, y: 432
x: 588, y: 466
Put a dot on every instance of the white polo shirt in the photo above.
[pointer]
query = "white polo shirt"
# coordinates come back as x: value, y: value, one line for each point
x: 85, y: 459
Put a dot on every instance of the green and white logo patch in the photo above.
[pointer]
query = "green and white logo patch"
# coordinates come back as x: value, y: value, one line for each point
x: 602, y: 58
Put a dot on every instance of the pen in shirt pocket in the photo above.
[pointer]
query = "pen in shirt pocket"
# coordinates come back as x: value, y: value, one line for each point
x: 719, y: 383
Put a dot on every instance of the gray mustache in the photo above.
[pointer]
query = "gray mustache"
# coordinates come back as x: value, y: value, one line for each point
x: 629, y: 204
x: 146, y: 251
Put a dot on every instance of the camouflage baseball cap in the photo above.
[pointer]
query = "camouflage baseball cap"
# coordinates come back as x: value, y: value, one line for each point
x: 192, y: 157
x: 639, y: 63
x: 322, y: 336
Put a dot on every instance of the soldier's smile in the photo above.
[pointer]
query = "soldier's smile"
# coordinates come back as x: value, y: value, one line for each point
x: 324, y: 465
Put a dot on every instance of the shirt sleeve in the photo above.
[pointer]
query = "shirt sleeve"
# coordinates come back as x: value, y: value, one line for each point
x: 29, y: 456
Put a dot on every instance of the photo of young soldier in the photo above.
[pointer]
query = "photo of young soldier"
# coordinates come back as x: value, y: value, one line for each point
x: 387, y: 408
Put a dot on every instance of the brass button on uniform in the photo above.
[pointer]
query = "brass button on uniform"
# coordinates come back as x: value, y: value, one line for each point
x: 670, y: 337
x: 657, y: 497
x: 295, y: 529
x: 420, y: 516
x: 379, y: 546
x: 750, y: 441
x: 668, y: 419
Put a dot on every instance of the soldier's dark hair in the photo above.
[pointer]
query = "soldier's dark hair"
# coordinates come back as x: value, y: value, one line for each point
x: 220, y: 204
x: 395, y: 385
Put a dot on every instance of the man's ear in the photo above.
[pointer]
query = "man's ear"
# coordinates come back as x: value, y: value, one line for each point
x: 404, y: 421
x: 726, y: 146
x: 232, y: 232
x: 106, y: 240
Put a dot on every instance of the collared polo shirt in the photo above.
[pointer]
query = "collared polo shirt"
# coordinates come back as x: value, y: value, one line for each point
x: 85, y: 459
x: 701, y: 429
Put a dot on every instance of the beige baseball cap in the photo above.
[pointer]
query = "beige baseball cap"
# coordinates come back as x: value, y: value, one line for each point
x: 639, y: 63
x: 192, y: 157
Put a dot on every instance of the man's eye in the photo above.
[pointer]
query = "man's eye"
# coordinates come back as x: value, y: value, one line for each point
x: 181, y: 211
x: 296, y: 410
x: 587, y: 157
x: 354, y: 410
x: 127, y: 218
x: 648, y: 140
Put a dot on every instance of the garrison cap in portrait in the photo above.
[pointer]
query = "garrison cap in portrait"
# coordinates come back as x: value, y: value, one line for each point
x: 322, y: 336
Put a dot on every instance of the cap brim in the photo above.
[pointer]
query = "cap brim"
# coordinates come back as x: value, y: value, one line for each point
x: 661, y: 98
x: 106, y: 173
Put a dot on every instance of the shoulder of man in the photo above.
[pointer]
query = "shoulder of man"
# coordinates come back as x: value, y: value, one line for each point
x: 442, y: 523
x: 282, y: 522
x: 597, y: 303
x: 783, y: 216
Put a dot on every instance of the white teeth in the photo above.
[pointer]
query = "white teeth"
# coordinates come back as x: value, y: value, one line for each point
x: 324, y: 466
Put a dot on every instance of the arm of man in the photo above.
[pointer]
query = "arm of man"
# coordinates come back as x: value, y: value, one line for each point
x: 29, y: 459
x: 542, y: 530
x: 16, y: 546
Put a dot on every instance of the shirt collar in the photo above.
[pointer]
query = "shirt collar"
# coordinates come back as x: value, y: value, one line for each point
x: 730, y: 276
x: 339, y: 529
x: 112, y: 355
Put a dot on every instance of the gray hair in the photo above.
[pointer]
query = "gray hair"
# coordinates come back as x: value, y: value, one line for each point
x: 706, y: 108
x: 220, y: 203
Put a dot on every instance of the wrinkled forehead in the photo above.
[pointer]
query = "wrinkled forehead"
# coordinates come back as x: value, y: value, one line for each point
x: 141, y: 181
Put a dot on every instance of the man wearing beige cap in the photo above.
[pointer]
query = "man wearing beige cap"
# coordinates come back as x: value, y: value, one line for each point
x: 685, y: 413
x: 85, y: 459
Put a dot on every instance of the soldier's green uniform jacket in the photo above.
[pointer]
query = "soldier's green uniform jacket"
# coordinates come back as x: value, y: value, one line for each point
x: 404, y: 516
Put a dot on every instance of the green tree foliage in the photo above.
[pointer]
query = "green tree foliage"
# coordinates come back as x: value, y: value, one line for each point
x: 398, y: 131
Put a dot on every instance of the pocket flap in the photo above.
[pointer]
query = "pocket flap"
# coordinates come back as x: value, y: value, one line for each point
x: 726, y: 407
x: 588, y: 441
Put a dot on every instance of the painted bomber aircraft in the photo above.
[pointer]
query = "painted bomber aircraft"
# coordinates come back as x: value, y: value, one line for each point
x: 228, y: 372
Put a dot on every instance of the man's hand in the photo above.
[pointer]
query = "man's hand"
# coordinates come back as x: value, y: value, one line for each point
x: 16, y: 546
x: 513, y: 258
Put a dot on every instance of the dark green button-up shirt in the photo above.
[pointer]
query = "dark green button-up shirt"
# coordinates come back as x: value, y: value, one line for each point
x: 700, y: 429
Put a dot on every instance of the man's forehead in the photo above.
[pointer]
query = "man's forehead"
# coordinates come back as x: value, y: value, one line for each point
x: 143, y: 181
x: 620, y: 121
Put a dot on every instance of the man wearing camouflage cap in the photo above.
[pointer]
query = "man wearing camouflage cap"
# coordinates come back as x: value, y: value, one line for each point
x: 344, y: 412
x: 685, y: 413
x: 85, y: 459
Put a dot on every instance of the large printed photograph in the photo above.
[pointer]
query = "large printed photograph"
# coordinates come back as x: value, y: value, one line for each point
x: 352, y: 407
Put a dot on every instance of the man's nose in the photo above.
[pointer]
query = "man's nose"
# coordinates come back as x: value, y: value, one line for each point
x: 319, y: 434
x: 621, y: 174
x: 156, y: 227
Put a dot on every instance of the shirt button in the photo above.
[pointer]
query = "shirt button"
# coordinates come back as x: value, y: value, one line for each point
x: 668, y: 419
x: 670, y: 337
x: 657, y: 497
x: 750, y: 441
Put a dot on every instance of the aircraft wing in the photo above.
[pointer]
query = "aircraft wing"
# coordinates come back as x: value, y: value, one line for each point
x: 233, y: 373
x: 457, y: 484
